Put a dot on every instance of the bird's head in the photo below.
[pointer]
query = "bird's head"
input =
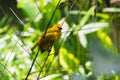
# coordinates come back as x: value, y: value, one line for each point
x: 58, y: 27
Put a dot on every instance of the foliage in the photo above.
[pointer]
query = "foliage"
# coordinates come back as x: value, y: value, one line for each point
x: 87, y: 50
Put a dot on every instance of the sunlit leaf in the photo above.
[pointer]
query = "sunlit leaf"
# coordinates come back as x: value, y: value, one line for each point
x: 89, y: 28
x: 111, y: 9
x: 86, y: 17
x: 29, y: 8
x: 105, y: 39
x: 68, y: 60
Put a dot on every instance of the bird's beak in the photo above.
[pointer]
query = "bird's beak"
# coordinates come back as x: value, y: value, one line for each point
x: 60, y: 28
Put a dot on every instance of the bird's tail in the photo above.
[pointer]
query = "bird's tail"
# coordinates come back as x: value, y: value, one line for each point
x: 34, y: 47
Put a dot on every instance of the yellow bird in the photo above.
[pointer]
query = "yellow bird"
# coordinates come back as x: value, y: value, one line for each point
x: 48, y: 38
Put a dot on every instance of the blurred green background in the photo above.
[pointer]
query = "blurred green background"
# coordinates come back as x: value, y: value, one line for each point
x: 88, y: 49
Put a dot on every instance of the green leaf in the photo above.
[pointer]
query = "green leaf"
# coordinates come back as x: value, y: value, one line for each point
x: 68, y: 60
x: 111, y: 10
x: 28, y: 8
x: 86, y: 17
x: 89, y: 28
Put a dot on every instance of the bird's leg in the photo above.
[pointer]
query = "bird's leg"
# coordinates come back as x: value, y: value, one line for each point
x: 49, y: 50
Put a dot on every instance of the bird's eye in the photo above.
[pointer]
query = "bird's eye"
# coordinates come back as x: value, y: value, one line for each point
x: 60, y: 28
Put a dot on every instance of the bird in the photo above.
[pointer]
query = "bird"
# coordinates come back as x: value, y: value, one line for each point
x: 48, y: 38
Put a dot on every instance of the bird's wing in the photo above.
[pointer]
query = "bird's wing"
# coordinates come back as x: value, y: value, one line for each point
x: 49, y: 37
x: 47, y: 42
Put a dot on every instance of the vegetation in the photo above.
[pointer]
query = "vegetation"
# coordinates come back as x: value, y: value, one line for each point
x: 87, y: 50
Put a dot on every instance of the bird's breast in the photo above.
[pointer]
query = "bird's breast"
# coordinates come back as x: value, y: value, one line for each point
x: 57, y: 35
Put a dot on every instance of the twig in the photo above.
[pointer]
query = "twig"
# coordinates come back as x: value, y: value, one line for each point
x: 43, y: 65
x: 44, y: 36
x: 17, y: 17
x: 51, y: 18
x: 68, y: 12
x: 7, y: 61
x: 8, y: 72
x: 61, y: 42
x: 49, y: 66
x: 32, y: 64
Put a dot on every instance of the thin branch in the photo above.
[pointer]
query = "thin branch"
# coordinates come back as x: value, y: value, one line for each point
x: 7, y: 71
x: 69, y: 12
x: 48, y: 53
x: 45, y: 34
x: 51, y: 18
x: 47, y: 70
x: 25, y: 50
x: 2, y: 10
x: 43, y: 66
x: 17, y: 16
x: 32, y: 64
x: 83, y: 29
x: 7, y: 60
